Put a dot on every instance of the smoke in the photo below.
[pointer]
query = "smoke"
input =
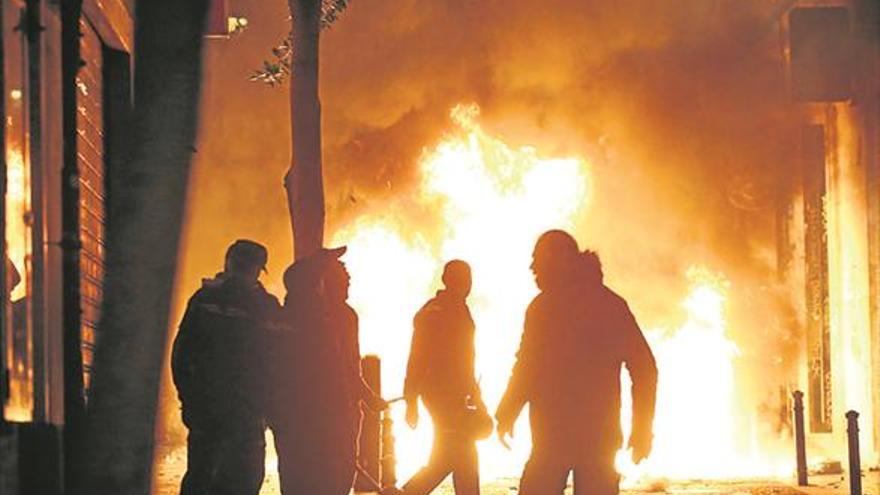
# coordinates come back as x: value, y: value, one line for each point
x: 681, y: 108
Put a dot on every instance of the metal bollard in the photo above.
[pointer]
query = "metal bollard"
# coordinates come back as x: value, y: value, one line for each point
x: 855, y: 462
x: 800, y: 438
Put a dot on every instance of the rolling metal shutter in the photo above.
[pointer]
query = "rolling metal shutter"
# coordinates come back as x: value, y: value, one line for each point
x: 90, y: 157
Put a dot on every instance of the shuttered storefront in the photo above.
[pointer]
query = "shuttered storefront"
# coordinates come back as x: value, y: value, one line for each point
x: 90, y: 151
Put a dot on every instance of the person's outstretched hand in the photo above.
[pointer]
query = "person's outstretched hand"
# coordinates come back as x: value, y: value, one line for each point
x: 412, y: 414
x: 641, y: 445
x: 377, y: 403
x: 505, y: 431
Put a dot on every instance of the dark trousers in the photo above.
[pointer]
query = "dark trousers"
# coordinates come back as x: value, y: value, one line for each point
x: 310, y: 464
x: 451, y: 453
x: 225, y: 461
x: 546, y: 473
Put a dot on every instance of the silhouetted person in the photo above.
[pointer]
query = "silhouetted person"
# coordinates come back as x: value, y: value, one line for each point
x: 440, y: 371
x: 317, y: 417
x: 217, y: 364
x: 578, y: 334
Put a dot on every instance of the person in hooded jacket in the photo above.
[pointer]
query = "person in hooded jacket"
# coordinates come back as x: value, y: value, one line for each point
x: 316, y: 414
x: 217, y: 366
x: 577, y: 336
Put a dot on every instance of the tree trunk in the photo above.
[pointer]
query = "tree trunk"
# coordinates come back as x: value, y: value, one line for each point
x: 146, y: 204
x: 304, y: 181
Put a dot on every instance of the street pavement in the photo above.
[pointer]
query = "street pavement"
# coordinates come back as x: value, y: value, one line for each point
x: 171, y: 464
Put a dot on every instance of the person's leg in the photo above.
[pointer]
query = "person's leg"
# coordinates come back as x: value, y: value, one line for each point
x: 322, y: 472
x: 293, y: 461
x: 305, y: 473
x: 596, y: 475
x: 341, y: 475
x: 243, y: 464
x: 315, y: 458
x: 466, y: 473
x: 199, y: 463
x: 432, y: 474
x: 544, y: 474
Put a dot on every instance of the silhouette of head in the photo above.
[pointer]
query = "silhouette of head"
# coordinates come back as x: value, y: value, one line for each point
x: 245, y: 259
x: 336, y: 281
x: 553, y: 259
x: 304, y: 278
x: 457, y: 278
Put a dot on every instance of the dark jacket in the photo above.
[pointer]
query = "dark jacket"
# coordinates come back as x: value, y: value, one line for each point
x: 219, y: 352
x: 568, y: 369
x: 318, y: 372
x: 441, y: 359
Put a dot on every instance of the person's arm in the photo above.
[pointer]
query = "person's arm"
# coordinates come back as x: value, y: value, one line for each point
x: 416, y: 365
x: 363, y: 390
x: 269, y: 341
x: 184, y: 349
x: 470, y: 361
x: 642, y: 367
x: 517, y: 393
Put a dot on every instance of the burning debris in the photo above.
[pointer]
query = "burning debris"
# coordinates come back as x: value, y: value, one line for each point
x: 722, y: 157
x: 485, y: 194
x: 479, y: 200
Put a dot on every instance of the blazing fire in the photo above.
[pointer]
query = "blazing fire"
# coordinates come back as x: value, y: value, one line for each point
x: 697, y: 432
x: 18, y: 247
x: 17, y: 209
x: 493, y: 201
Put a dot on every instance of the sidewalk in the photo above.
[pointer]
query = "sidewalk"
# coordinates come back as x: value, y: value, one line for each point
x: 172, y: 464
x: 838, y: 484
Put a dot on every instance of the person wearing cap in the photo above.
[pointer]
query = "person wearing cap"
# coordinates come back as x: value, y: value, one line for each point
x: 440, y: 371
x: 217, y: 366
x: 577, y: 336
x: 316, y: 411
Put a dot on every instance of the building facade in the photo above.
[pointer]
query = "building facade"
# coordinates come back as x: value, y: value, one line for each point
x: 829, y: 251
x: 63, y: 108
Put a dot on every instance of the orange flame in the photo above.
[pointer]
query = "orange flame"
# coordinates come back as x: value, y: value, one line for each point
x: 696, y: 424
x: 17, y: 209
x: 493, y: 201
x: 18, y: 248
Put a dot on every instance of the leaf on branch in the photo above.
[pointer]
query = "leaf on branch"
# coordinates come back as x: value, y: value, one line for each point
x: 271, y: 73
x: 331, y: 10
x: 277, y: 70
